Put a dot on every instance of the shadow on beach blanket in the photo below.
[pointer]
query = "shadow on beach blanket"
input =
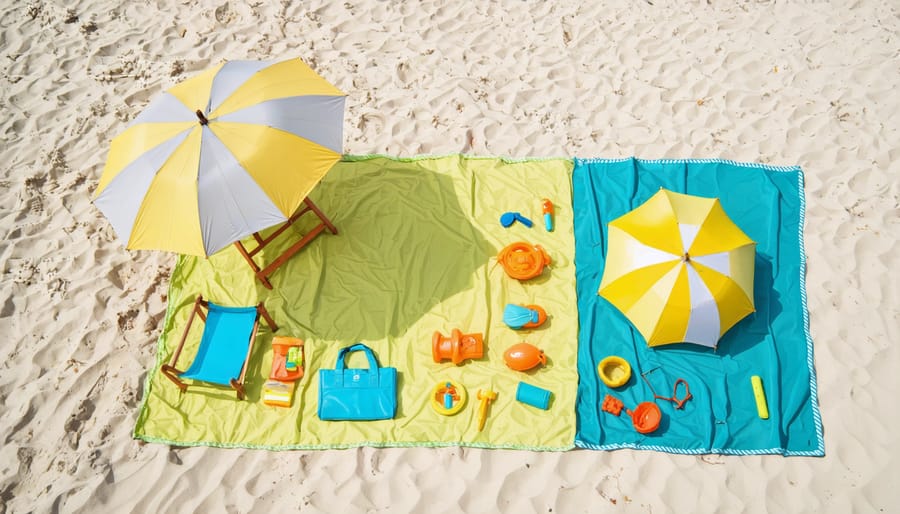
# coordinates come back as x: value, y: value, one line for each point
x: 415, y: 254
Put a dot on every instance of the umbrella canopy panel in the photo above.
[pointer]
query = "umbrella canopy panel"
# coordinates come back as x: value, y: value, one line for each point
x: 679, y: 269
x: 222, y: 155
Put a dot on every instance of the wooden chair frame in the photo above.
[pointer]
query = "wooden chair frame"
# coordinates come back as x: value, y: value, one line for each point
x: 173, y: 373
x: 263, y: 273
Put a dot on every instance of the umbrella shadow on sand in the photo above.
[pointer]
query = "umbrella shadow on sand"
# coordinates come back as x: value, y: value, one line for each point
x: 404, y: 245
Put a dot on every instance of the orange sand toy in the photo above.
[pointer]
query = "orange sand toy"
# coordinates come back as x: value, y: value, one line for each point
x: 523, y: 317
x: 287, y: 368
x: 523, y: 261
x: 448, y: 397
x: 542, y: 316
x: 645, y: 417
x: 524, y: 356
x: 283, y: 369
x: 612, y: 405
x: 457, y: 348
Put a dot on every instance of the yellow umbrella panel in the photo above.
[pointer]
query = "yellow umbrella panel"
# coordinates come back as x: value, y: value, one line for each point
x: 222, y: 155
x: 679, y: 269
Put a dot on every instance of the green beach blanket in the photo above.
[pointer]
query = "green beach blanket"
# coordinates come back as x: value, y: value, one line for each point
x: 767, y: 203
x: 415, y: 253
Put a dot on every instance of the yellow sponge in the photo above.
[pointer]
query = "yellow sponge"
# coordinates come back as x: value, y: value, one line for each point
x: 278, y: 394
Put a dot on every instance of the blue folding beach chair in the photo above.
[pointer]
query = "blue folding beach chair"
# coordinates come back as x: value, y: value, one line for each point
x: 225, y: 346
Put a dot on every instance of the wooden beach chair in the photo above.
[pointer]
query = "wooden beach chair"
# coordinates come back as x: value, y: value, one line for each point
x: 225, y: 346
x: 262, y: 273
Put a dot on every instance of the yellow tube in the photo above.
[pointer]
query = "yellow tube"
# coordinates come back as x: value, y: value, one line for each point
x: 762, y: 408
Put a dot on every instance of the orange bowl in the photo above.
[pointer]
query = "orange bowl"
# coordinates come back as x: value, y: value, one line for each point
x: 646, y: 417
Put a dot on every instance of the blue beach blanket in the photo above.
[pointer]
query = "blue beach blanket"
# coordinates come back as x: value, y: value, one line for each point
x: 767, y: 203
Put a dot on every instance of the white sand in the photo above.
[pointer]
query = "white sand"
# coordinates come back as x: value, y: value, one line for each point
x: 814, y: 85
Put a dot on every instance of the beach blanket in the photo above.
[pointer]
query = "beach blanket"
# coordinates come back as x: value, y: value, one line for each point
x: 767, y: 203
x: 415, y: 253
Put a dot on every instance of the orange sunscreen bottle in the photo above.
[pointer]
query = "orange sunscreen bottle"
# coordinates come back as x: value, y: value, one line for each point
x: 547, y: 209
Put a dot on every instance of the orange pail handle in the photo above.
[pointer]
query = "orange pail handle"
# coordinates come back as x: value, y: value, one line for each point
x: 523, y: 260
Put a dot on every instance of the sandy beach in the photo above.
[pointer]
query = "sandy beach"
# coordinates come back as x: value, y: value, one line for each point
x: 812, y: 85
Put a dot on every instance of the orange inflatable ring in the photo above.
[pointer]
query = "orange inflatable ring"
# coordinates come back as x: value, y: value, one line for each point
x: 523, y: 261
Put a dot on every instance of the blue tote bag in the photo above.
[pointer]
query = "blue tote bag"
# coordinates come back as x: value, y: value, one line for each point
x: 357, y: 394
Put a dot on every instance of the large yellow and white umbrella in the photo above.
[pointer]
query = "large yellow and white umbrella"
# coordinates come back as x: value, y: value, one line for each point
x: 221, y: 155
x: 679, y: 269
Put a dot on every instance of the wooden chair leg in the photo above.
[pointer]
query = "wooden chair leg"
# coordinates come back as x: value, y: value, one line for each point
x: 318, y: 212
x: 263, y: 273
x: 268, y: 317
x: 281, y: 259
x: 172, y: 374
x: 187, y: 328
x: 256, y: 270
x: 238, y: 384
x: 170, y: 370
x: 239, y: 387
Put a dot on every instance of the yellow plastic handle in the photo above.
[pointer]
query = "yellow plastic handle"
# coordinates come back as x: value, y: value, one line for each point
x: 762, y: 408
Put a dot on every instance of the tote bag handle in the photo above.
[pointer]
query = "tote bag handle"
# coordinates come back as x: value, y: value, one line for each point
x: 373, y: 363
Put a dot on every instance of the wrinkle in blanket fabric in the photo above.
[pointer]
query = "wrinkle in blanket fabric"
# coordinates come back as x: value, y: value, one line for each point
x: 774, y: 342
x: 415, y: 254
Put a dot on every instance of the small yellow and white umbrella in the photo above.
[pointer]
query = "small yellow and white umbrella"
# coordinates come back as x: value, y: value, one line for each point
x: 222, y: 155
x: 679, y: 269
